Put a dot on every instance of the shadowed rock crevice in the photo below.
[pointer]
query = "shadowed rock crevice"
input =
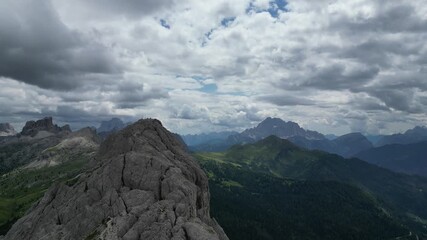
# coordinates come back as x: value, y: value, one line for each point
x: 142, y: 185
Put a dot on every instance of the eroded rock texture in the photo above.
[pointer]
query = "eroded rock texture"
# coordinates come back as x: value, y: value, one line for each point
x: 142, y: 186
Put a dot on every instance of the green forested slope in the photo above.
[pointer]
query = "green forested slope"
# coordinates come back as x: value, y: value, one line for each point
x: 312, y: 193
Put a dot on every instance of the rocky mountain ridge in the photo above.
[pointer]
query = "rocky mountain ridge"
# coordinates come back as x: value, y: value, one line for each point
x: 142, y: 185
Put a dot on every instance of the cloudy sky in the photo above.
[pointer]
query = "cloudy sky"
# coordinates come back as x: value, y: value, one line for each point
x: 332, y: 66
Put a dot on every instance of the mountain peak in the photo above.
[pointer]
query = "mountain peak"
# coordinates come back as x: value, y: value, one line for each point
x: 114, y: 124
x: 145, y: 131
x: 31, y: 128
x: 143, y: 185
x: 417, y: 130
x: 354, y: 135
x: 416, y: 134
x: 274, y: 126
x: 277, y: 122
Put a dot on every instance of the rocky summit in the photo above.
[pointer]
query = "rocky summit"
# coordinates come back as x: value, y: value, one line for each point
x: 31, y: 128
x: 141, y: 185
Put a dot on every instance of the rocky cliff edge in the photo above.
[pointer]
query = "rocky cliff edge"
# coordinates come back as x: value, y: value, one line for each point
x: 142, y: 185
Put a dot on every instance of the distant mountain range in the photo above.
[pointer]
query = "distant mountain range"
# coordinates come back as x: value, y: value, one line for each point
x: 414, y: 135
x: 405, y: 158
x: 346, y: 145
x: 270, y: 126
x: 274, y: 126
x: 205, y: 138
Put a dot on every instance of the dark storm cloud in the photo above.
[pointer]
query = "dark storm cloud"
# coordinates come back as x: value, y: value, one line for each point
x: 338, y: 76
x: 382, y: 57
x: 367, y: 103
x: 38, y: 49
x: 129, y: 8
x: 189, y: 113
x: 378, y: 52
x: 390, y: 17
x: 286, y: 100
x: 134, y: 94
x: 402, y: 100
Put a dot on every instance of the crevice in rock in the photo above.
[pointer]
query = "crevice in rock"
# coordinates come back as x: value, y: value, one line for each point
x: 58, y: 220
x: 160, y: 187
x: 123, y: 169
x: 176, y: 216
x: 186, y: 234
x: 53, y: 196
x: 124, y: 203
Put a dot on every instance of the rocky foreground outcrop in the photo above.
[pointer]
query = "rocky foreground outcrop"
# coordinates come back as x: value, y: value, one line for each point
x: 142, y: 186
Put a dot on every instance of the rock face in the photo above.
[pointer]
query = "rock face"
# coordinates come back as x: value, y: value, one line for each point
x: 142, y: 185
x: 6, y: 130
x: 31, y: 128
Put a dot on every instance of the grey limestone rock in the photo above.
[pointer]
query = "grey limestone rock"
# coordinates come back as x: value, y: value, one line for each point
x: 31, y: 128
x: 142, y: 185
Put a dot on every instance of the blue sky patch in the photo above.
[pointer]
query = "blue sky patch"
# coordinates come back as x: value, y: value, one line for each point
x: 164, y: 24
x: 275, y: 7
x: 209, y: 88
x: 227, y: 21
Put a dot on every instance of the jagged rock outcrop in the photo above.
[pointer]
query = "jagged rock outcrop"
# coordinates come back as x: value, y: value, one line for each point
x: 142, y: 185
x: 31, y: 128
x: 73, y: 146
x: 6, y: 130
